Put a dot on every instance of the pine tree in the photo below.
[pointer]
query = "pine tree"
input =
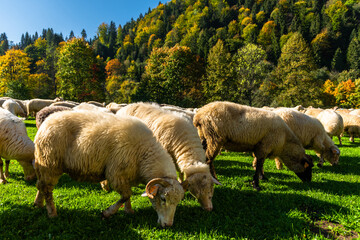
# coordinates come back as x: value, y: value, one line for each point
x: 338, y: 62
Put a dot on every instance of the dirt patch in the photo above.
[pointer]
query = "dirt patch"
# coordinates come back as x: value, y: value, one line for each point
x: 333, y: 230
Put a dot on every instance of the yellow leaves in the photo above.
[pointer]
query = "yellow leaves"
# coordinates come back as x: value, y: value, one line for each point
x: 246, y: 21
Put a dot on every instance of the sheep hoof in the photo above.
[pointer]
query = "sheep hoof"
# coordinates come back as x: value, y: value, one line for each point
x: 104, y: 215
x: 3, y: 181
x: 129, y: 211
x: 262, y: 177
x: 256, y: 186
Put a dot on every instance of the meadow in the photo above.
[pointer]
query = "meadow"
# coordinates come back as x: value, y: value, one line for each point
x: 326, y: 208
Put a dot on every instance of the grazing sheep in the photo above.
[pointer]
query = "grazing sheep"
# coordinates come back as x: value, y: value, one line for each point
x: 47, y: 111
x: 92, y: 146
x: 343, y: 110
x: 13, y: 107
x: 311, y: 134
x: 355, y: 112
x: 332, y: 122
x: 313, y: 111
x: 114, y: 107
x: 15, y: 144
x: 186, y: 113
x: 65, y: 104
x: 351, y: 125
x: 179, y: 137
x: 96, y: 103
x: 90, y: 107
x: 241, y: 128
x: 35, y: 105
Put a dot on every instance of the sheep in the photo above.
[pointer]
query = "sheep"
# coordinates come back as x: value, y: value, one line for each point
x: 311, y: 134
x: 241, y: 128
x: 47, y: 111
x: 15, y: 144
x: 96, y: 103
x: 186, y: 113
x: 91, y: 107
x: 313, y: 111
x: 35, y: 105
x: 92, y: 146
x: 351, y: 125
x: 332, y: 122
x: 65, y: 104
x: 13, y: 107
x: 114, y: 107
x: 179, y: 137
x: 342, y: 110
x: 355, y: 112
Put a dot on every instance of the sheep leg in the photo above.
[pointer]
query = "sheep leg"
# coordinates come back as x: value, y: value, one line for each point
x: 105, y: 185
x: 211, y: 153
x: 261, y: 176
x: 258, y: 172
x: 7, y: 163
x: 279, y: 164
x: 115, y: 207
x: 128, y: 209
x: 45, y: 193
x: 2, y: 177
x: 340, y: 143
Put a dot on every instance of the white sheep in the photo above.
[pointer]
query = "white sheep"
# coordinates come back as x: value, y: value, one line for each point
x: 351, y: 124
x: 179, y: 137
x: 332, y: 122
x: 245, y: 129
x: 311, y: 134
x: 92, y: 146
x: 114, y: 107
x: 15, y: 144
x: 90, y: 107
x: 355, y: 112
x: 35, y: 105
x: 13, y: 107
x: 312, y: 111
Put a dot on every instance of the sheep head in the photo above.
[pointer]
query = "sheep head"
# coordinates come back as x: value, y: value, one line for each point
x: 201, y: 186
x: 332, y: 155
x: 307, y: 165
x: 164, y: 194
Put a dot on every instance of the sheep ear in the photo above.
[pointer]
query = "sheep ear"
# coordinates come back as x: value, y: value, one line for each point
x: 216, y: 181
x: 335, y: 150
x: 185, y: 185
x: 152, y: 191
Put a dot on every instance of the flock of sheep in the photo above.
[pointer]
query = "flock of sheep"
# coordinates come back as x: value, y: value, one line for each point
x: 168, y: 148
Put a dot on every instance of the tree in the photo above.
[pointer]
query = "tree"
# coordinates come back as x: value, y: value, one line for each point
x: 14, y: 73
x: 219, y: 83
x: 338, y: 62
x: 4, y: 44
x: 77, y: 72
x: 293, y: 74
x: 251, y: 69
x: 353, y: 54
x: 83, y: 34
x: 174, y: 76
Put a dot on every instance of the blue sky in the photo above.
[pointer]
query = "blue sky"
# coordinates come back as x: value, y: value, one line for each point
x: 20, y: 16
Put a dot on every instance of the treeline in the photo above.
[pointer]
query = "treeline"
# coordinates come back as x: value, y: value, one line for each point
x: 190, y: 52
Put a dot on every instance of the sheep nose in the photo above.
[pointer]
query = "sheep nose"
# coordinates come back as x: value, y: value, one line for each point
x: 209, y: 209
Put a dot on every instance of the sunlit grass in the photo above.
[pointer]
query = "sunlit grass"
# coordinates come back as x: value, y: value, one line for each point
x: 285, y: 208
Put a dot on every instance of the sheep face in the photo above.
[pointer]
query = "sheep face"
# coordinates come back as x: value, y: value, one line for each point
x: 165, y: 194
x: 332, y: 155
x: 201, y: 186
x: 306, y: 164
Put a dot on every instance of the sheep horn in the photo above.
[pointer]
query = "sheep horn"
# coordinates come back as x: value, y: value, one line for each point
x: 151, y: 189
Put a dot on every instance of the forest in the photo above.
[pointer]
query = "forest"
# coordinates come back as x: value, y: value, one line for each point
x: 191, y: 52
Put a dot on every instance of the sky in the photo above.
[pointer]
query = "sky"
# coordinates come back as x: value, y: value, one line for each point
x: 20, y: 16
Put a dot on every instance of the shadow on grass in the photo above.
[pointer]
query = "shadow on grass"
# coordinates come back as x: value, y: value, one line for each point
x: 32, y: 125
x: 254, y: 215
x: 27, y: 222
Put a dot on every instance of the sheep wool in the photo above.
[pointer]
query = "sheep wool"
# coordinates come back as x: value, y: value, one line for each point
x: 15, y: 144
x: 179, y: 137
x: 246, y: 129
x: 92, y: 146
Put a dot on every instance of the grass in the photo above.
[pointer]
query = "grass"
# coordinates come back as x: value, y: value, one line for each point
x: 286, y: 208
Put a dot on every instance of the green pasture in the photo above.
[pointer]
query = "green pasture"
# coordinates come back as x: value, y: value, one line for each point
x: 286, y: 208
